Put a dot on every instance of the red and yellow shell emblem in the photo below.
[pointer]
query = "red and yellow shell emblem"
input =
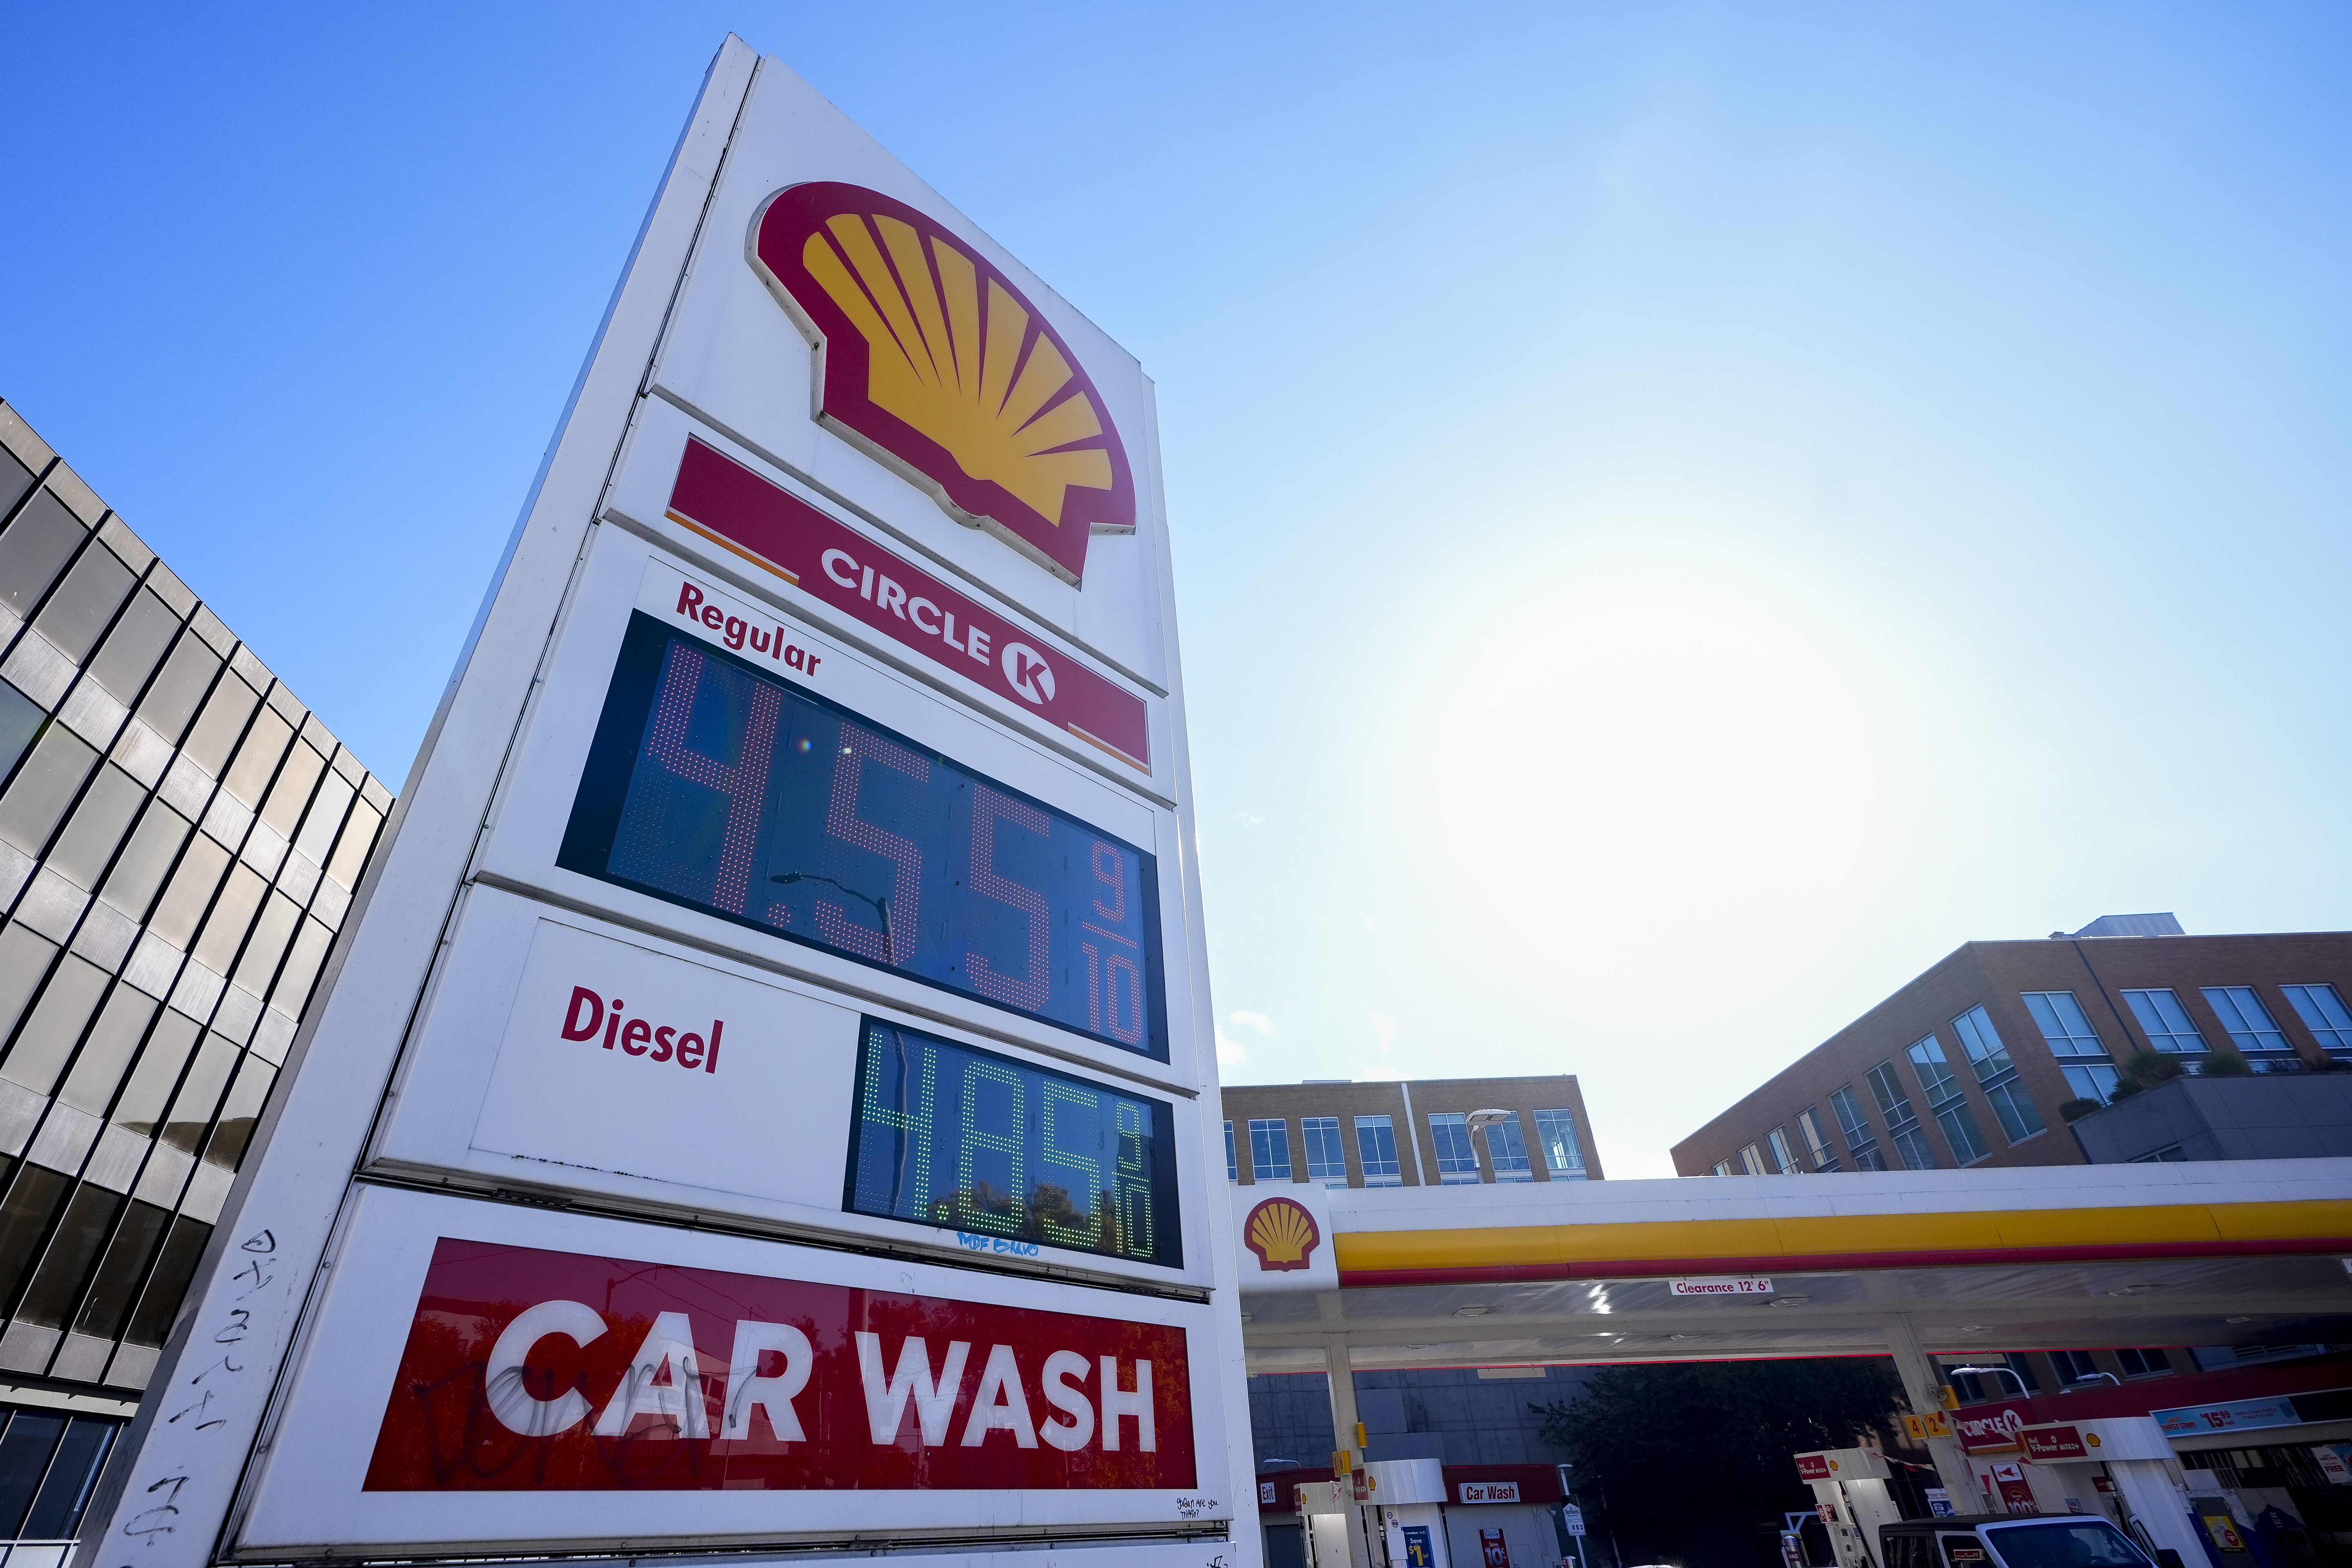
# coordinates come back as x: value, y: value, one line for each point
x: 1282, y: 1233
x: 934, y: 362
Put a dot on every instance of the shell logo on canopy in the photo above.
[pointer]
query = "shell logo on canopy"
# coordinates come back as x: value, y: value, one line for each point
x: 934, y: 362
x: 1282, y: 1233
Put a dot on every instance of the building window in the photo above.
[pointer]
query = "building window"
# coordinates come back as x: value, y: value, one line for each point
x: 1327, y: 1160
x: 2063, y: 1024
x: 1817, y: 1143
x: 1860, y: 1141
x: 1270, y: 1149
x: 1233, y: 1158
x: 2166, y: 1022
x: 1751, y: 1160
x: 1376, y: 1148
x: 1997, y: 1074
x: 1902, y: 1121
x: 2249, y: 1022
x: 1722, y: 1167
x: 1942, y: 1088
x: 2144, y: 1363
x: 2082, y: 1056
x: 2091, y: 1080
x: 2074, y: 1366
x: 2170, y: 1154
x: 50, y: 1461
x: 1507, y: 1151
x: 1783, y: 1156
x: 1556, y: 1131
x: 1458, y: 1162
x: 2323, y: 1014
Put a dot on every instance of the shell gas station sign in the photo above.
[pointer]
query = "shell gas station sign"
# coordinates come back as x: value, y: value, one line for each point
x: 759, y: 1103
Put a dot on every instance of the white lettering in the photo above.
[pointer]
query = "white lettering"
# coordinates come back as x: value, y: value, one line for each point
x: 1116, y: 1403
x: 668, y: 1349
x: 891, y: 598
x: 1071, y: 1401
x: 830, y: 557
x: 886, y: 1403
x: 747, y: 1391
x: 999, y: 1404
x: 515, y: 1406
x: 915, y: 608
x: 975, y: 643
x: 1030, y: 676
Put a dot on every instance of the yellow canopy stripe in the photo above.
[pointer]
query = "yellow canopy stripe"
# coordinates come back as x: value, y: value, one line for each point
x: 1891, y: 1237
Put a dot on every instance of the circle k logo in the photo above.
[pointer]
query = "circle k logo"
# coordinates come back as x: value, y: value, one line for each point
x: 1030, y: 676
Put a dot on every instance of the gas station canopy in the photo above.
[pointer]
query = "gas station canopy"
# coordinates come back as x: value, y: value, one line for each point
x: 1967, y: 1262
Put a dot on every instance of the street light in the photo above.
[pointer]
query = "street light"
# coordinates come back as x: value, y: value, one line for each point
x: 2022, y: 1392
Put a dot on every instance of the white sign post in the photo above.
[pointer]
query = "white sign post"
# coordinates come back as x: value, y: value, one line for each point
x: 763, y: 1097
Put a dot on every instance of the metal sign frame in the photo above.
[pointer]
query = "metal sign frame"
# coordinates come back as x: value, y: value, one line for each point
x: 311, y: 1277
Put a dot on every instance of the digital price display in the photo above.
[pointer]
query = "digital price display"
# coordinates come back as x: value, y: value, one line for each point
x: 715, y: 785
x: 948, y: 1135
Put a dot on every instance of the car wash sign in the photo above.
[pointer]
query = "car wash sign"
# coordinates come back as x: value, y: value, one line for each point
x: 759, y: 1104
x: 695, y: 1380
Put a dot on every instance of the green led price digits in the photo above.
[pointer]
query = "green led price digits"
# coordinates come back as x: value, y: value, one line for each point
x: 1028, y: 1154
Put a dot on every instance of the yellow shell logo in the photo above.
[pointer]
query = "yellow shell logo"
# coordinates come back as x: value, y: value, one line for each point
x: 932, y: 360
x: 931, y: 365
x: 1282, y: 1233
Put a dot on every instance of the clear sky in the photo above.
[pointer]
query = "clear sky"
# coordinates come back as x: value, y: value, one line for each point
x: 1684, y: 514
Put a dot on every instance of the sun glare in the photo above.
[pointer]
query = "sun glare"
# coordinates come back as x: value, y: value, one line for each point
x: 1650, y: 763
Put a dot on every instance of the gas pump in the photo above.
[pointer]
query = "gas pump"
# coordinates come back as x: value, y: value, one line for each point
x: 1330, y: 1526
x: 1850, y: 1495
x: 1386, y: 1515
x: 1407, y: 1510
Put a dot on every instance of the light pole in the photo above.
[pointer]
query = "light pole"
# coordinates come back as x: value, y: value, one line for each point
x: 2022, y: 1392
x: 1481, y: 1121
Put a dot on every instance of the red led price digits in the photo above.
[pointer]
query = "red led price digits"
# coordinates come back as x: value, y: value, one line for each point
x: 1029, y: 991
x: 1118, y: 979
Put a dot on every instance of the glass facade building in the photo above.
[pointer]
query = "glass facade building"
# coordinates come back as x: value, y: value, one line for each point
x: 180, y: 841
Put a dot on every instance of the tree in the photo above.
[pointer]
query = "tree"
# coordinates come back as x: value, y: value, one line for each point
x: 1690, y: 1461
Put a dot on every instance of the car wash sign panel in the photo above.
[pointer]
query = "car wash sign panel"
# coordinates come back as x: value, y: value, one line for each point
x: 530, y: 1370
x: 561, y: 1378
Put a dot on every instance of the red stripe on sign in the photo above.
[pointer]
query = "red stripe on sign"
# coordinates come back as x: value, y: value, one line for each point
x: 1835, y: 1262
x: 535, y: 1371
x: 728, y: 503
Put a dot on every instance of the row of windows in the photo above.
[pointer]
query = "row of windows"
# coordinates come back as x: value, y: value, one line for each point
x: 2071, y: 1369
x: 1376, y: 1150
x: 2079, y: 1052
x: 180, y: 840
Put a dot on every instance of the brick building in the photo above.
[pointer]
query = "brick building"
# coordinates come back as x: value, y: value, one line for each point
x: 1972, y: 1062
x: 1408, y: 1134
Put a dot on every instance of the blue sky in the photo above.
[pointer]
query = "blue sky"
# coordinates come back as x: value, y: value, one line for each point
x: 1684, y: 513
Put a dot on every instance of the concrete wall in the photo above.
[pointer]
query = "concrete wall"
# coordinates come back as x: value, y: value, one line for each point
x: 1453, y: 1415
x: 2268, y: 1117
